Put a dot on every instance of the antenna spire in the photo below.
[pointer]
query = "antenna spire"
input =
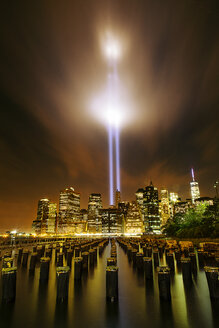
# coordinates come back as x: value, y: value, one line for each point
x: 193, y: 175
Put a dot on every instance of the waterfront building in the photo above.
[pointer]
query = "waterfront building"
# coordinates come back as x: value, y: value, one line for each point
x: 69, y: 210
x: 39, y: 225
x: 93, y: 213
x: 83, y: 215
x: 42, y: 213
x: 133, y: 221
x: 140, y: 201
x: 112, y: 221
x: 118, y: 198
x: 151, y: 208
x: 164, y: 206
x: 174, y: 198
x: 36, y: 227
x: 123, y: 207
x: 52, y: 219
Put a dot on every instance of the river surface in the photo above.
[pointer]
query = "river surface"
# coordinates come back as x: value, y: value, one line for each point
x: 139, y: 304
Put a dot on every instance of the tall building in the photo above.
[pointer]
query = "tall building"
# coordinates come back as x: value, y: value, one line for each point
x: 42, y: 215
x: 36, y: 226
x: 112, y: 221
x: 164, y: 206
x: 93, y: 213
x: 52, y: 218
x: 69, y: 210
x: 195, y: 193
x: 174, y: 198
x: 118, y: 198
x: 140, y: 201
x: 151, y: 208
x: 134, y: 221
x: 123, y: 207
x: 39, y: 225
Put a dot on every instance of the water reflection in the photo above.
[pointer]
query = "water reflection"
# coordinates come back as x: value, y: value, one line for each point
x: 6, y: 314
x: 166, y: 314
x: 112, y: 314
x: 139, y: 302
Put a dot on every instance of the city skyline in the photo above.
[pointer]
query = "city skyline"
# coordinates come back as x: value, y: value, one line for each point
x: 68, y: 216
x: 52, y: 68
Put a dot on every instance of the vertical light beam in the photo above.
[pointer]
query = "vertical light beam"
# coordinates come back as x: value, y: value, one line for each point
x: 193, y: 175
x: 117, y: 158
x: 110, y: 136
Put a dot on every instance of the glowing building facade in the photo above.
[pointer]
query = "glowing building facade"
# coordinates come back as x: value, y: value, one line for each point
x: 151, y: 208
x: 69, y: 211
x: 45, y: 222
x: 164, y: 206
x: 39, y: 225
x: 133, y: 221
x: 112, y: 221
x: 93, y: 213
x: 174, y: 198
x: 195, y: 193
x: 52, y: 219
x: 140, y: 201
x: 118, y: 198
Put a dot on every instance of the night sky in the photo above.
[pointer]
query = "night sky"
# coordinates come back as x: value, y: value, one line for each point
x: 51, y: 69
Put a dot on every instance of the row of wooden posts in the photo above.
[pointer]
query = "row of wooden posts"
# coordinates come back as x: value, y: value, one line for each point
x: 84, y: 255
x: 144, y: 256
x: 148, y: 255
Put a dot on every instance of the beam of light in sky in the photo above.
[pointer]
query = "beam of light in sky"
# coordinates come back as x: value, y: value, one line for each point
x: 114, y: 122
x: 112, y: 112
x: 193, y: 175
x: 110, y: 139
x: 117, y: 159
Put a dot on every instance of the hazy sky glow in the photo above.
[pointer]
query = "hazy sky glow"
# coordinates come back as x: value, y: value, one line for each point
x: 53, y: 72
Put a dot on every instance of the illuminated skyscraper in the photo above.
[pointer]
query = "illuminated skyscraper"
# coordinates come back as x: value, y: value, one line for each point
x: 69, y: 210
x: 174, y: 197
x: 94, y: 217
x: 165, y: 206
x: 42, y: 213
x: 195, y: 193
x: 151, y: 208
x: 111, y: 220
x: 123, y: 207
x: 52, y: 217
x: 140, y: 201
x: 40, y: 224
x: 133, y: 222
x: 118, y: 198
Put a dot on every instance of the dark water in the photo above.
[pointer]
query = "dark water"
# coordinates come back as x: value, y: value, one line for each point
x: 139, y: 304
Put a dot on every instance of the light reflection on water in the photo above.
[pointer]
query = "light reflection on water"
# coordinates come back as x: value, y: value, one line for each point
x: 139, y: 303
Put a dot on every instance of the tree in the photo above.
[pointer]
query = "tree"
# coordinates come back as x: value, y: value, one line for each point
x: 198, y: 222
